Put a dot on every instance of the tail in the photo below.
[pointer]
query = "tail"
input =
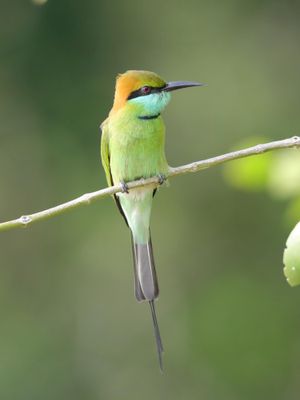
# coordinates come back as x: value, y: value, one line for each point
x: 146, y: 284
x: 145, y: 279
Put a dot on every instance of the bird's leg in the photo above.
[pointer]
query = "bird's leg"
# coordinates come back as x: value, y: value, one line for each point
x: 124, y: 187
x: 161, y: 178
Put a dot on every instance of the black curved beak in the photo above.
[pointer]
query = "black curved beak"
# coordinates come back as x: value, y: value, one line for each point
x: 181, y: 85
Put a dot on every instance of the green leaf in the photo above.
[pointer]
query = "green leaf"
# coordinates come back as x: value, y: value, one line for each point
x: 291, y: 257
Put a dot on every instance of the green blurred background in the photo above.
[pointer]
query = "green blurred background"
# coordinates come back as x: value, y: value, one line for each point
x: 70, y: 326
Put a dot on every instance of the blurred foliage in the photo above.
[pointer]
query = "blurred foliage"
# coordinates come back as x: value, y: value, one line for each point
x: 70, y: 325
x: 250, y: 173
x: 39, y: 2
x: 277, y: 173
x: 284, y: 180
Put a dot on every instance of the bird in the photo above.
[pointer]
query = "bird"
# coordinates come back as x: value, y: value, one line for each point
x: 132, y: 148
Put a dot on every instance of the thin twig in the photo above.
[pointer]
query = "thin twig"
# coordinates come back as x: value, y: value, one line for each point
x: 26, y: 220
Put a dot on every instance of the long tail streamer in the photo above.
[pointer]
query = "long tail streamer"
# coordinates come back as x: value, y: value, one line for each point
x: 158, y: 340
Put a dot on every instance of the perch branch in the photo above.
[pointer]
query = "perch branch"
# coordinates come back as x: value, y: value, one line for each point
x: 25, y: 220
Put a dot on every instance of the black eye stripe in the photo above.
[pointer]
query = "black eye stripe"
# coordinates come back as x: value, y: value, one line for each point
x: 139, y: 92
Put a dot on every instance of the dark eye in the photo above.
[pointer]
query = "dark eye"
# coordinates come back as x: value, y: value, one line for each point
x: 146, y: 89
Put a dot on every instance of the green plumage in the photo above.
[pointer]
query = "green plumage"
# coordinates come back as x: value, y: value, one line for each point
x: 133, y: 148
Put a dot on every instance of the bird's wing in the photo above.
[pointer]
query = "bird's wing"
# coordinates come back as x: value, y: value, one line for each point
x: 105, y: 158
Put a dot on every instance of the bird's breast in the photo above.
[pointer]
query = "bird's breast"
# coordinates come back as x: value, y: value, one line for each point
x: 137, y: 149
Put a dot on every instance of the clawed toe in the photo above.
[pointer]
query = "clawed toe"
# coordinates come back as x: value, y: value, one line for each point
x: 124, y: 187
x: 161, y: 178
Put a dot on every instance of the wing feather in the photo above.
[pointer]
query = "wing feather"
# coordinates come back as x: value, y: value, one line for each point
x: 104, y: 151
x: 105, y: 158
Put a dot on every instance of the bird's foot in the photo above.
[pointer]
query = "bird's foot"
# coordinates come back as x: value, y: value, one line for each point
x: 161, y: 178
x: 124, y: 187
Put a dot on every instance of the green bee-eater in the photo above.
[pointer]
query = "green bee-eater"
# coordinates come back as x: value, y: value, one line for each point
x: 132, y: 147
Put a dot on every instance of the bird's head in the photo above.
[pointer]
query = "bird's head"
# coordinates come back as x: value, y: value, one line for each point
x: 145, y: 92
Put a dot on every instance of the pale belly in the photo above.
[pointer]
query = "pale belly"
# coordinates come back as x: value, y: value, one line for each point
x: 136, y: 206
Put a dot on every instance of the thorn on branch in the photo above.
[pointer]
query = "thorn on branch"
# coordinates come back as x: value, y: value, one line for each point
x: 85, y: 198
x: 25, y: 220
x: 296, y: 140
x: 258, y: 149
